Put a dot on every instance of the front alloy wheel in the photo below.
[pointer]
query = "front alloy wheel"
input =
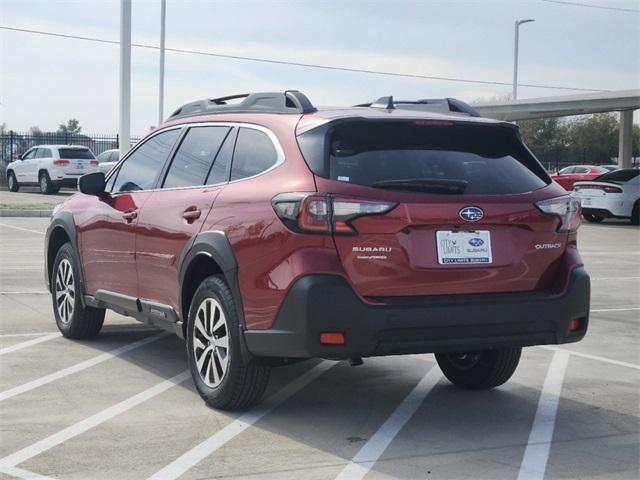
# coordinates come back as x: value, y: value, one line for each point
x: 65, y: 291
x: 74, y: 319
x: 211, y: 342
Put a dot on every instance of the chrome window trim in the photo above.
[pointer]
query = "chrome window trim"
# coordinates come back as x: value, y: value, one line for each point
x: 280, y: 156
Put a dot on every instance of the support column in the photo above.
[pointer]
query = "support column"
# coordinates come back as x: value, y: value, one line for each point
x: 125, y: 76
x: 626, y: 138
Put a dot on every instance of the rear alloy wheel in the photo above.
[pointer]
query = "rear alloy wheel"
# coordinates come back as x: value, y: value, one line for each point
x: 479, y: 370
x: 44, y: 181
x: 12, y: 182
x: 224, y: 375
x: 73, y: 318
x: 591, y: 218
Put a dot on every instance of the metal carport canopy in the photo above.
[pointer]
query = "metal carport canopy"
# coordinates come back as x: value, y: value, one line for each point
x: 561, y: 106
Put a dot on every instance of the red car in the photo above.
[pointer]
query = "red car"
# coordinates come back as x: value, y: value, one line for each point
x: 263, y: 230
x: 577, y: 173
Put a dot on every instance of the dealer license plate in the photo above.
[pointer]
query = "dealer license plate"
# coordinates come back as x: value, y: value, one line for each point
x: 463, y: 247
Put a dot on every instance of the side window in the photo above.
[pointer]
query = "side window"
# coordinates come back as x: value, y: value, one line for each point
x: 44, y: 153
x: 141, y: 168
x: 581, y: 170
x: 567, y: 170
x: 254, y: 153
x: 220, y: 171
x: 104, y: 157
x: 31, y: 154
x: 194, y: 158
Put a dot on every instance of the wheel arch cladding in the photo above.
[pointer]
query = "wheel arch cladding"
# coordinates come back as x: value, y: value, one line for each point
x: 208, y: 253
x: 61, y: 230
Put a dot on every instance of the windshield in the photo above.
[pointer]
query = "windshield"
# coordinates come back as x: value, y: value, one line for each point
x: 428, y: 156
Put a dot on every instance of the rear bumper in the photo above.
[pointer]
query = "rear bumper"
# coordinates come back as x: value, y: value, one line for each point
x: 326, y: 303
x: 68, y: 182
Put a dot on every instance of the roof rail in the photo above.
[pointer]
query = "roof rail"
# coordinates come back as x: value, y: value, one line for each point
x: 289, y: 101
x: 441, y: 105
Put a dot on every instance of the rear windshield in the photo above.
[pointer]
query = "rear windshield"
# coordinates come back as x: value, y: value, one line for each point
x: 75, y: 153
x: 426, y: 156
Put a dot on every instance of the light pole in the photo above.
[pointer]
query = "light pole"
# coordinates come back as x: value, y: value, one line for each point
x: 124, y: 127
x: 515, y: 56
x: 163, y: 15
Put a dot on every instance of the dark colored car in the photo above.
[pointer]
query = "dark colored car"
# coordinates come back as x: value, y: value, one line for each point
x: 577, y: 173
x: 263, y: 230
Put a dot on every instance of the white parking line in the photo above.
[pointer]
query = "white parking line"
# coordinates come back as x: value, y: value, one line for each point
x: 32, y: 334
x: 12, y: 392
x: 624, y: 309
x: 198, y: 453
x: 23, y: 474
x: 615, y: 278
x: 371, y: 451
x: 594, y: 357
x: 536, y: 455
x: 28, y: 343
x: 88, y: 423
x: 20, y: 228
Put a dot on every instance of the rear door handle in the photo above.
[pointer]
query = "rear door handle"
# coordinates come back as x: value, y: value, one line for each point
x: 191, y: 214
x: 130, y: 215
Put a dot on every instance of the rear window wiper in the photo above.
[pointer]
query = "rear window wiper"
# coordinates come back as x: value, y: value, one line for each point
x: 424, y: 185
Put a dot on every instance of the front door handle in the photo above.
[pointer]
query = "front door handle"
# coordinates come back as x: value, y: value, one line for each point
x: 191, y: 214
x: 130, y: 215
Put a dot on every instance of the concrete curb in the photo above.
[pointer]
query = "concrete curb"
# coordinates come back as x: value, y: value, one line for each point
x: 17, y: 212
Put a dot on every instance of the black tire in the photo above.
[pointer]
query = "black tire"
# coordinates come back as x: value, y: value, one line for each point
x: 12, y: 181
x: 243, y: 380
x: 73, y: 319
x: 44, y: 182
x: 479, y: 370
x: 591, y: 218
x: 635, y: 213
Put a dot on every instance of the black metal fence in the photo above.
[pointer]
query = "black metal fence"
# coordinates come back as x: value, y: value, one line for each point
x: 13, y: 144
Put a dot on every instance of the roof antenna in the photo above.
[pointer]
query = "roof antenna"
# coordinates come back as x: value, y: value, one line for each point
x: 384, y: 102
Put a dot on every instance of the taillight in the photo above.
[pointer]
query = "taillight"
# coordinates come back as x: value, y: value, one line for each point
x: 61, y: 162
x: 324, y: 213
x: 566, y: 208
x: 94, y: 163
x: 604, y: 188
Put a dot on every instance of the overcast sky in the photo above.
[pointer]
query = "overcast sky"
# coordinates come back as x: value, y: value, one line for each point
x: 46, y: 80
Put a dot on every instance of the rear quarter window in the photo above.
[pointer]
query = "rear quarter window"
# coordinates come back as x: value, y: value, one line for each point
x: 254, y: 154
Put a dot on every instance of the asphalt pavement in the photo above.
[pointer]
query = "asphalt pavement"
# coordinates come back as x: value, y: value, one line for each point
x: 122, y: 406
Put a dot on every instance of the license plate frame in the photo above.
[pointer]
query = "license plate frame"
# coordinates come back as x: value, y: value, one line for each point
x: 464, y: 247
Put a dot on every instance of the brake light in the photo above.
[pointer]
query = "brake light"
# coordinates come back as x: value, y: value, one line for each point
x: 61, y: 162
x: 324, y: 213
x: 94, y: 163
x: 566, y: 208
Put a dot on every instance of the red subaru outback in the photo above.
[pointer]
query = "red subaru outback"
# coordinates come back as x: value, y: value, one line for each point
x: 264, y: 230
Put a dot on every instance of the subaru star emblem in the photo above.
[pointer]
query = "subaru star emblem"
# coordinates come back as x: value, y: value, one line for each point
x: 471, y: 214
x: 476, y: 242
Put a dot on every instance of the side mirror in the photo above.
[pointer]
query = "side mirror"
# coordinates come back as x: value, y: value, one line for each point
x: 92, y: 184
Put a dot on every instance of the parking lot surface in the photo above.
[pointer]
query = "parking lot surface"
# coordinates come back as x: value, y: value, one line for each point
x: 122, y: 406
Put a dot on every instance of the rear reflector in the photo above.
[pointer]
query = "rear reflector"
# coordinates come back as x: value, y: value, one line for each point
x: 332, y: 338
x: 95, y: 163
x: 575, y: 325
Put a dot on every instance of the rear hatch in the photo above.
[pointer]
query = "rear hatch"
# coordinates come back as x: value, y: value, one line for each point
x: 77, y: 160
x: 460, y: 214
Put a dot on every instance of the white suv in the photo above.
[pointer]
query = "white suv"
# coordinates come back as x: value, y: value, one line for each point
x: 51, y: 167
